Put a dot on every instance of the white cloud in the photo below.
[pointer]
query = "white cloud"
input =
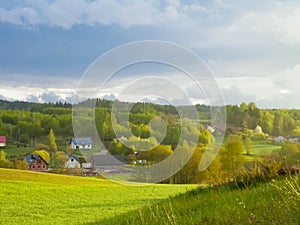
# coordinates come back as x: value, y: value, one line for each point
x: 66, y: 13
x: 286, y: 23
x: 279, y: 90
x: 225, y: 5
x: 288, y: 79
x: 21, y: 16
x: 249, y: 47
x: 25, y: 87
x: 271, y: 23
x: 36, y: 94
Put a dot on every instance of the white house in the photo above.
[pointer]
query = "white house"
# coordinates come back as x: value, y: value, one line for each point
x: 280, y: 139
x: 72, y: 162
x: 81, y: 143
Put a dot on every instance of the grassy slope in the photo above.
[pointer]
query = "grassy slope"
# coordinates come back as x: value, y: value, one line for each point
x: 263, y: 148
x: 264, y: 204
x: 258, y: 149
x: 29, y: 197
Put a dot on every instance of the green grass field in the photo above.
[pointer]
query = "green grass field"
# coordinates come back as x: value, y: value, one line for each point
x: 263, y: 148
x: 274, y: 203
x: 258, y: 149
x: 31, y: 198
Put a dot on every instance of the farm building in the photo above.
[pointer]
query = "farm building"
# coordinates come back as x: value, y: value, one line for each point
x: 73, y: 162
x: 2, y: 141
x: 36, y: 163
x: 108, y: 163
x: 81, y: 143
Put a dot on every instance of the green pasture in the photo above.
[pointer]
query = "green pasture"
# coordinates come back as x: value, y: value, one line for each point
x: 32, y: 198
x: 274, y: 203
x: 259, y: 149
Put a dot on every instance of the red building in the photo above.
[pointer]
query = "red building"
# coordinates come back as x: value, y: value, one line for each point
x: 36, y: 163
x: 2, y: 141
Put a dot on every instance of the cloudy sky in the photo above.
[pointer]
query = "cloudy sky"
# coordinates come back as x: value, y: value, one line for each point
x: 252, y: 46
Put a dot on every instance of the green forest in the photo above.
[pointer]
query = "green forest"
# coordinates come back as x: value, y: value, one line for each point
x: 39, y: 127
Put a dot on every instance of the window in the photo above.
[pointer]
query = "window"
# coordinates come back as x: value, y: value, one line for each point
x: 72, y: 160
x: 33, y: 167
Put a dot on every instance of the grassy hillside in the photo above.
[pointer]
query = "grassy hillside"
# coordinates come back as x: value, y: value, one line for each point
x: 31, y: 198
x: 270, y: 203
x: 263, y: 148
x: 259, y: 149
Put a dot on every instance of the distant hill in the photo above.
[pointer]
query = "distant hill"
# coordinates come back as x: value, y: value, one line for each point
x: 31, y: 106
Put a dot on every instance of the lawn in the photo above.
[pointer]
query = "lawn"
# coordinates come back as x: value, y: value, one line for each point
x: 30, y: 198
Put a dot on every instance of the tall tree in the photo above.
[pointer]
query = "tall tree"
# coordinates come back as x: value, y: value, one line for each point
x: 248, y: 144
x: 4, y: 163
x: 51, y: 136
x: 2, y: 156
x: 278, y: 123
x: 231, y: 156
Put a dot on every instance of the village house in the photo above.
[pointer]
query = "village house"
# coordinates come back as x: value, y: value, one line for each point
x: 72, y: 161
x: 36, y: 163
x: 280, y: 139
x: 2, y: 141
x: 81, y: 143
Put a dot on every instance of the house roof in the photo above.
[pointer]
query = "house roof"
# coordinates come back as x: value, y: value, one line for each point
x: 2, y: 139
x: 81, y: 141
x: 73, y: 156
x: 31, y: 159
x: 107, y: 160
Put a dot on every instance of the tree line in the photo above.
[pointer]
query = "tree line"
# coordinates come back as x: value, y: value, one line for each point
x: 32, y: 123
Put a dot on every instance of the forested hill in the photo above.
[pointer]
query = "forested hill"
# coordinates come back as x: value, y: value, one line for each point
x: 29, y: 124
x: 100, y: 103
x: 273, y: 121
x: 31, y: 106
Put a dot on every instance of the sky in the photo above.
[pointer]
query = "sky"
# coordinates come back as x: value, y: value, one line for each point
x: 252, y: 47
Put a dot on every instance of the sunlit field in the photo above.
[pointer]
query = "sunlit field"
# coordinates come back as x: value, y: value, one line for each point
x: 30, y: 198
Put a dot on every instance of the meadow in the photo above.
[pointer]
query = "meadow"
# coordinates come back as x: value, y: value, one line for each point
x: 274, y: 203
x: 30, y: 198
x: 259, y: 149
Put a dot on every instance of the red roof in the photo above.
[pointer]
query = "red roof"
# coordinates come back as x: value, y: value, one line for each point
x: 2, y: 139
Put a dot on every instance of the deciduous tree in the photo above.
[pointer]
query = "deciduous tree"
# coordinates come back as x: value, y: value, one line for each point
x: 45, y: 155
x: 231, y: 155
x: 52, y: 145
x: 248, y: 144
